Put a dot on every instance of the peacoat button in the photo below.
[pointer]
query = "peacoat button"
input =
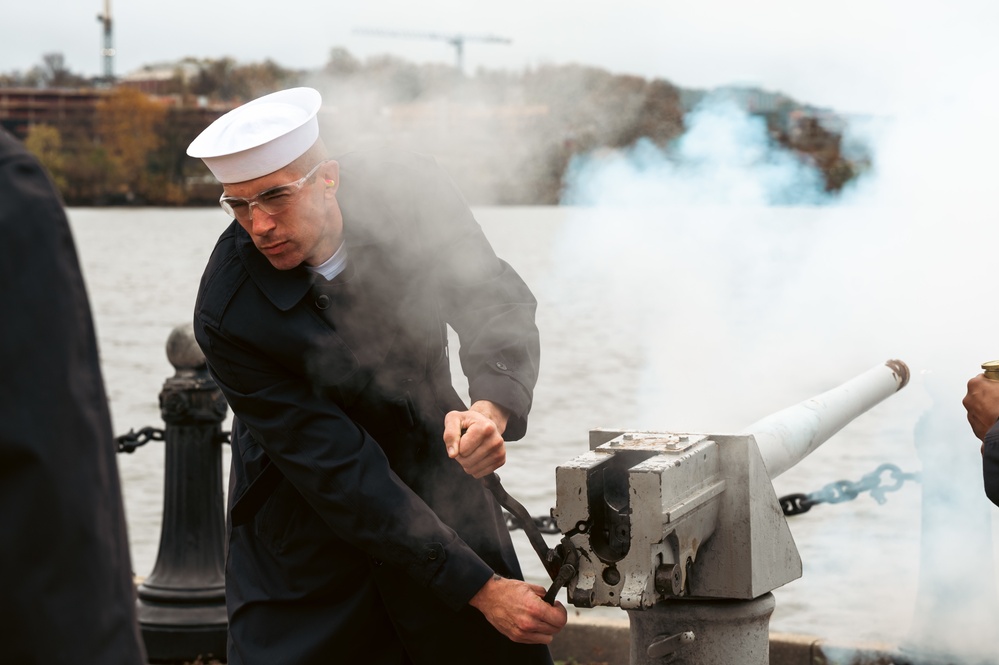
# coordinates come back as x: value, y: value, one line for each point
x: 501, y: 366
x: 323, y: 301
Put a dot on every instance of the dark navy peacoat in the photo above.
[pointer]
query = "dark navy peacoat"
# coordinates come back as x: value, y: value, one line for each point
x: 353, y: 537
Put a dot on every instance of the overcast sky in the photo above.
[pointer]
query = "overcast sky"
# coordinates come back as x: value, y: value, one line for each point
x: 852, y: 55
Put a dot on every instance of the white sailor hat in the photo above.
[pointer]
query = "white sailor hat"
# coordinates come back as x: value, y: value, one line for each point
x: 260, y: 136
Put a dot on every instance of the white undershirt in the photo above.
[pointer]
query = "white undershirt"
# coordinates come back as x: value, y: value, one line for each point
x: 332, y: 266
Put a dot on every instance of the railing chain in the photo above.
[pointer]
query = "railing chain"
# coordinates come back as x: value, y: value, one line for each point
x: 845, y: 490
x: 127, y: 443
x: 545, y: 524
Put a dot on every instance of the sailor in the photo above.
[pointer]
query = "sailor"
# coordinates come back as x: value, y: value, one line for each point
x: 359, y: 531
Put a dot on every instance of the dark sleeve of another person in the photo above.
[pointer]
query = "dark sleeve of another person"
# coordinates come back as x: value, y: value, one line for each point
x: 66, y: 590
x: 990, y: 464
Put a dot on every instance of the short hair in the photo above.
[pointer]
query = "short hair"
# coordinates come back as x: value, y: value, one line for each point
x: 315, y: 154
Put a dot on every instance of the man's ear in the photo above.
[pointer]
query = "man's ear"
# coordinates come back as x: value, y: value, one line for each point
x: 330, y: 174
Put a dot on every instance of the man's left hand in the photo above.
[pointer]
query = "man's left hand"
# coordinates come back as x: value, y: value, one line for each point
x: 517, y: 610
x: 475, y: 437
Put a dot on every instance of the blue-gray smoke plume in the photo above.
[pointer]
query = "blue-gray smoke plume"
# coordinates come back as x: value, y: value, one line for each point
x: 725, y: 157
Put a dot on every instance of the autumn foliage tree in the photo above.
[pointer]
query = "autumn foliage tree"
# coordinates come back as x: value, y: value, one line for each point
x: 128, y: 132
x: 508, y: 137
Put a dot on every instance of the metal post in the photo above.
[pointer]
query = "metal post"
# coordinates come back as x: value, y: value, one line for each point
x: 182, y: 602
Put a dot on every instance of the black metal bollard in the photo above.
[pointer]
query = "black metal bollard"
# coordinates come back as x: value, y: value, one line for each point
x: 181, y: 604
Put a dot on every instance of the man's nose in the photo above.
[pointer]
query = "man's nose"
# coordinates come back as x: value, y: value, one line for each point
x: 260, y: 222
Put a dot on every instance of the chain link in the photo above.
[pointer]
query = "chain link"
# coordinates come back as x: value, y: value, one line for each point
x: 127, y: 443
x: 545, y: 524
x: 845, y: 490
x: 795, y: 504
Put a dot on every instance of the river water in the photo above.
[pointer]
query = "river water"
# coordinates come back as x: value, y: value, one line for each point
x: 685, y: 319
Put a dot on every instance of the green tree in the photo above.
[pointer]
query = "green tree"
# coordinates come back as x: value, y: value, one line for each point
x: 341, y: 63
x: 264, y: 77
x: 54, y: 73
x: 45, y: 142
x: 217, y: 79
x: 660, y: 115
x: 225, y: 79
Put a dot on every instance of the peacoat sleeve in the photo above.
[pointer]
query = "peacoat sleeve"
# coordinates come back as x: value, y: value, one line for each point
x: 480, y: 295
x: 252, y: 350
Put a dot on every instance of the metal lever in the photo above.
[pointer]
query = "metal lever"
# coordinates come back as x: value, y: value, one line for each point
x: 492, y: 483
x: 565, y: 575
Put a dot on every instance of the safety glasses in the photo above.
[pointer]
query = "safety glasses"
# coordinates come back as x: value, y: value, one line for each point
x: 272, y: 201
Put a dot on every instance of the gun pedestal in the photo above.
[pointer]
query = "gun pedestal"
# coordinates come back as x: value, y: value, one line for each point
x: 685, y: 532
x: 702, y: 631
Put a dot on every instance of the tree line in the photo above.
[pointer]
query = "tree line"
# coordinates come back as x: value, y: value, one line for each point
x: 507, y: 137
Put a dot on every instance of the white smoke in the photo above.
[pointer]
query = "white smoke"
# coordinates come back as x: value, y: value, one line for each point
x: 746, y: 288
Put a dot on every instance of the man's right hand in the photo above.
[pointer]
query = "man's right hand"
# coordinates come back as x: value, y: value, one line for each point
x: 518, y: 610
x: 475, y: 437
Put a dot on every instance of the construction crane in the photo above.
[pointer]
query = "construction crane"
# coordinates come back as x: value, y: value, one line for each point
x: 455, y: 40
x: 107, y: 53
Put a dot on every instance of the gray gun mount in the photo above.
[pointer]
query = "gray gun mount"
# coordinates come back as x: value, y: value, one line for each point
x: 653, y: 516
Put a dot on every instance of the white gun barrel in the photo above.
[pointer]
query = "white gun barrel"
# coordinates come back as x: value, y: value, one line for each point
x: 788, y: 436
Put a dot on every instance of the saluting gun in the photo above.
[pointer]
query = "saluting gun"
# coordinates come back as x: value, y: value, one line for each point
x: 675, y: 526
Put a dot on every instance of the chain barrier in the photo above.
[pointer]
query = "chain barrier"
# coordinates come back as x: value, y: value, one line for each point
x: 790, y: 504
x: 127, y: 443
x: 883, y: 480
x: 845, y: 490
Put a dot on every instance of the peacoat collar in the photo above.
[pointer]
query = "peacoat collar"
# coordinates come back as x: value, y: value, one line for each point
x: 367, y: 224
x: 284, y: 288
